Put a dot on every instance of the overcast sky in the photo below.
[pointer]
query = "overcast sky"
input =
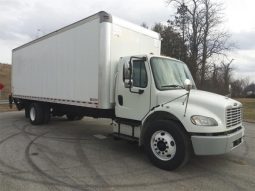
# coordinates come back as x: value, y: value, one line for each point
x: 24, y: 20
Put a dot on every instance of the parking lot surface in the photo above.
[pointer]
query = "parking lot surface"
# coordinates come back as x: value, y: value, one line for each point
x: 82, y: 155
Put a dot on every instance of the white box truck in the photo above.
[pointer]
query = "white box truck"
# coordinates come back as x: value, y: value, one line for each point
x: 103, y: 66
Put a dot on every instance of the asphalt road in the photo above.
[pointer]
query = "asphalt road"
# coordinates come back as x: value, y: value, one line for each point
x: 82, y: 155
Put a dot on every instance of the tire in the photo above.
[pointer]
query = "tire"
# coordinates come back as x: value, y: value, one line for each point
x: 46, y: 113
x: 72, y: 117
x: 36, y: 114
x: 27, y: 112
x: 167, y: 146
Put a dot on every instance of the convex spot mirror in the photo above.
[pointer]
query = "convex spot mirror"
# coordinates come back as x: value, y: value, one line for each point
x: 187, y: 85
x: 127, y: 75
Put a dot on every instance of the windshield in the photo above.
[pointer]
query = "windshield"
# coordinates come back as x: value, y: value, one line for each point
x: 169, y: 74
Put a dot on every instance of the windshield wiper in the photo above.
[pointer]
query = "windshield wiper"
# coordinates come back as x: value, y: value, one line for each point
x: 172, y: 86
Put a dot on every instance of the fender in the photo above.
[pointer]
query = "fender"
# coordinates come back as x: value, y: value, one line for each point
x: 157, y: 115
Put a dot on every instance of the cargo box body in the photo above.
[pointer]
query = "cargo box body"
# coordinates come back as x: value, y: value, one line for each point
x: 76, y: 65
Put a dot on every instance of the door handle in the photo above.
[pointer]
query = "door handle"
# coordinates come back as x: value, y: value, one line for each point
x: 120, y: 99
x: 140, y: 91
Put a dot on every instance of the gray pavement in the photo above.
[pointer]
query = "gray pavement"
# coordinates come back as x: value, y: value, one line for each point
x: 81, y: 155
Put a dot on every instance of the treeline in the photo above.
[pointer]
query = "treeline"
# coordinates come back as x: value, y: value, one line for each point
x: 195, y: 34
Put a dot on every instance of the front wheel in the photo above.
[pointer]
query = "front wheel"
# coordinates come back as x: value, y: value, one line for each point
x: 167, y: 146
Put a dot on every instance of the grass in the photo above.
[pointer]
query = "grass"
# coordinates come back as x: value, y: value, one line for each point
x: 248, y: 108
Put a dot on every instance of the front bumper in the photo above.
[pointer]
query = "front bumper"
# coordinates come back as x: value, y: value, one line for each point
x: 218, y: 144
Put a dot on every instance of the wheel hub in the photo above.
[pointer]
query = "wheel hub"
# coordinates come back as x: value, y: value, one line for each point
x: 32, y: 113
x: 163, y: 145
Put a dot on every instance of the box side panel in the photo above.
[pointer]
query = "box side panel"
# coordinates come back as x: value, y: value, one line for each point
x: 64, y: 66
x: 129, y: 42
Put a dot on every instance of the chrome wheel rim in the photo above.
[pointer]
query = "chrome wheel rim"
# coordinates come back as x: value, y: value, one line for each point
x: 163, y: 145
x: 32, y: 113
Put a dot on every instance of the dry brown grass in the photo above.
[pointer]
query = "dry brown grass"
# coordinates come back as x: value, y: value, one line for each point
x: 249, y: 108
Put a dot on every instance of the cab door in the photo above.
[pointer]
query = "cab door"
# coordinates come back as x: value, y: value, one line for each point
x: 133, y: 102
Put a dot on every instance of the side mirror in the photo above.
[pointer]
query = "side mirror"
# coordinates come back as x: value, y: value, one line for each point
x: 128, y: 83
x: 187, y: 85
x: 127, y: 75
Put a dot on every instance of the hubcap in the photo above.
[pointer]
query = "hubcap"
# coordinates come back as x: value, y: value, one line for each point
x: 163, y: 145
x: 32, y: 113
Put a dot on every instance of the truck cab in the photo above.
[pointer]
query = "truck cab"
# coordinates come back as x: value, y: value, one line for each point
x: 157, y: 102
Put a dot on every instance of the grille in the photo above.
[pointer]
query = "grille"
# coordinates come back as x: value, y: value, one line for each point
x: 234, y: 116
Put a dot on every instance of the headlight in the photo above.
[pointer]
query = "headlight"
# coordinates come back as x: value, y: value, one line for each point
x: 203, y: 121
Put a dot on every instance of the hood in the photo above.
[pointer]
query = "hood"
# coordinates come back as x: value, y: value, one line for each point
x: 199, y: 103
x: 211, y: 99
x: 198, y: 97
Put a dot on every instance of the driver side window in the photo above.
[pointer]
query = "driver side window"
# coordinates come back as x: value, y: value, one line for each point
x: 139, y: 74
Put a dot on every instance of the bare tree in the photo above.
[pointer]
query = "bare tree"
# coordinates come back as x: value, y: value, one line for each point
x: 246, y: 82
x: 237, y: 89
x: 171, y: 43
x: 199, y: 23
x: 144, y: 25
x: 227, y: 73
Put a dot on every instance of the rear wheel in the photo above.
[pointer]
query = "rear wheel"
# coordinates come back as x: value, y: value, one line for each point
x: 167, y: 146
x: 36, y: 116
x: 46, y: 113
x: 27, y: 112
